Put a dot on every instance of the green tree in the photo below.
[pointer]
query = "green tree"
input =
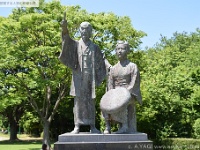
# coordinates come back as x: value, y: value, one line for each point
x: 12, y: 108
x: 12, y: 103
x: 170, y: 84
x: 31, y: 41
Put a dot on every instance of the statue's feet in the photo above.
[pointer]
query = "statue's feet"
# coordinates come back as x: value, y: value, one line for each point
x: 121, y: 130
x: 75, y: 131
x: 94, y: 131
x: 106, y: 131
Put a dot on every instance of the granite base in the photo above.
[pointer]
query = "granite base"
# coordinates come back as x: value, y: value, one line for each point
x: 85, y: 141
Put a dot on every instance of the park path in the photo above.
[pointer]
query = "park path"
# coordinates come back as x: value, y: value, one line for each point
x: 3, y: 138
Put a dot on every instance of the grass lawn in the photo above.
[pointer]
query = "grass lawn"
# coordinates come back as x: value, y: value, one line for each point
x: 20, y: 145
x: 25, y: 142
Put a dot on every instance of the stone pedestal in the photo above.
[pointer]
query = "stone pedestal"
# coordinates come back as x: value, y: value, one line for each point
x: 85, y: 141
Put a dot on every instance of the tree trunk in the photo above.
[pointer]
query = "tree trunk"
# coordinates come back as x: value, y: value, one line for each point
x: 46, y: 137
x: 13, y: 129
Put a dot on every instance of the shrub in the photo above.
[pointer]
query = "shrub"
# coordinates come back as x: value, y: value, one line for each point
x: 196, y: 129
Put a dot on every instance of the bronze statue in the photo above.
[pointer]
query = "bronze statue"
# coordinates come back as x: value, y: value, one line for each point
x: 118, y: 104
x: 88, y: 70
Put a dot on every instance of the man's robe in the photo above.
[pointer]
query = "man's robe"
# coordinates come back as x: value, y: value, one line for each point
x: 83, y: 84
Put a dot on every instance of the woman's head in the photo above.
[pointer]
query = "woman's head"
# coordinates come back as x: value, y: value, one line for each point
x: 122, y: 49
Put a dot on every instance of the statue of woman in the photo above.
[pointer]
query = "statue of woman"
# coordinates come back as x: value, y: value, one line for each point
x: 124, y: 74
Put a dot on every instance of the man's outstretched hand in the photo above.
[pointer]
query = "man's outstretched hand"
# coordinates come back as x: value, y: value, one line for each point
x: 64, y: 21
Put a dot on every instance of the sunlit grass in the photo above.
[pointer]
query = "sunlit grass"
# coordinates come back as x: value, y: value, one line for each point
x: 3, y: 135
x: 20, y: 145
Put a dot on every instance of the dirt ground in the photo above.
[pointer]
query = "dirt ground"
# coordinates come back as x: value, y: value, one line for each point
x: 21, y: 137
x: 3, y: 138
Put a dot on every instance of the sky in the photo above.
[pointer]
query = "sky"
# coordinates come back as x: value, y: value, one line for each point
x: 154, y: 17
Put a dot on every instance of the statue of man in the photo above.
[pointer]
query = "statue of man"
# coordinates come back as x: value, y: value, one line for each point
x: 124, y: 74
x: 88, y: 70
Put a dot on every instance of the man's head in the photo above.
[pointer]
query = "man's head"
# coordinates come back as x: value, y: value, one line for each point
x: 122, y: 49
x: 86, y: 30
